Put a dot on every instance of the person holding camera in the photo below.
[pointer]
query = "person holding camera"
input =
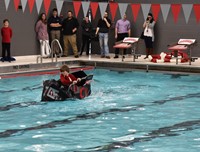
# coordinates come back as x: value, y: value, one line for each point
x: 149, y: 34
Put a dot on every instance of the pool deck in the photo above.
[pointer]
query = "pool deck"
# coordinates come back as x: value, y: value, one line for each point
x: 29, y: 64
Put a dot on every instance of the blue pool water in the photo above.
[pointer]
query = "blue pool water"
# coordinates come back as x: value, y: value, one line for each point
x: 127, y: 111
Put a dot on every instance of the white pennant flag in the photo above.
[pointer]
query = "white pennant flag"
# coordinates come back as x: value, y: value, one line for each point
x: 23, y: 2
x: 59, y: 4
x: 165, y: 10
x: 7, y: 2
x: 187, y: 9
x: 122, y: 8
x: 145, y: 10
x: 85, y: 6
x: 102, y: 7
x: 38, y: 5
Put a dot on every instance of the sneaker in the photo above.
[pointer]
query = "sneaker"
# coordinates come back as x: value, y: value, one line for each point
x: 102, y: 56
x: 64, y: 55
x: 146, y: 57
x: 76, y: 56
x: 116, y: 56
x: 108, y: 57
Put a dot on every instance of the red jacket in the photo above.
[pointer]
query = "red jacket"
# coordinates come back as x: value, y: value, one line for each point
x: 67, y: 80
x: 6, y: 33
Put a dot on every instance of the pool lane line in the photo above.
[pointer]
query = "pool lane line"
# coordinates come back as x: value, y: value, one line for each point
x: 41, y: 72
x: 53, y: 124
x: 167, y: 131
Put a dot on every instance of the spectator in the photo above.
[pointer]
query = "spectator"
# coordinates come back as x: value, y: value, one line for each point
x: 43, y: 37
x: 70, y: 27
x: 103, y: 29
x: 86, y: 33
x: 122, y: 30
x: 149, y: 34
x: 6, y: 33
x: 55, y: 25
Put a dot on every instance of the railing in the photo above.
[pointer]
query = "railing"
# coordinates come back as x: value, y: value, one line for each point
x: 55, y: 41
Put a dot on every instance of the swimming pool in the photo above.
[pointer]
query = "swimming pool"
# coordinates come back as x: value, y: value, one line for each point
x: 127, y: 111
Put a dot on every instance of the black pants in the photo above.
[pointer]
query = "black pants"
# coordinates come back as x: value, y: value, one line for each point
x: 85, y: 41
x: 120, y: 36
x: 148, y: 42
x: 6, y: 48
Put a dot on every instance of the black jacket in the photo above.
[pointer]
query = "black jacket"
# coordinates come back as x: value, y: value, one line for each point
x: 68, y: 25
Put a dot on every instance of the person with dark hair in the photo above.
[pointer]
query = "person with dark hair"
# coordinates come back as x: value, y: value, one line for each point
x: 86, y: 33
x: 66, y: 78
x: 149, y: 34
x: 122, y: 30
x: 103, y: 28
x: 43, y: 36
x: 55, y: 25
x: 70, y: 27
x: 6, y: 33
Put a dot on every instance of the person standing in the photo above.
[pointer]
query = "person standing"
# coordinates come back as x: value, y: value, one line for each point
x: 43, y: 36
x: 149, y: 34
x: 86, y: 33
x: 70, y: 27
x: 122, y: 30
x: 55, y: 25
x: 103, y: 28
x: 6, y: 33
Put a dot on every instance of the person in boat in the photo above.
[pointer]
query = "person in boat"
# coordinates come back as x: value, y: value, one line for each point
x: 67, y: 78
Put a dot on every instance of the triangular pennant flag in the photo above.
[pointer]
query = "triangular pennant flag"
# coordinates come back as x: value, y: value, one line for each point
x: 16, y: 4
x: 145, y: 10
x: 59, y: 4
x: 77, y: 6
x: 31, y: 4
x: 85, y: 6
x: 94, y: 7
x: 38, y: 5
x: 187, y: 9
x: 176, y: 8
x: 135, y: 11
x: 155, y: 10
x: 122, y: 8
x: 102, y: 7
x: 197, y: 11
x: 7, y: 2
x: 113, y: 9
x: 47, y: 4
x: 165, y: 11
x: 23, y: 2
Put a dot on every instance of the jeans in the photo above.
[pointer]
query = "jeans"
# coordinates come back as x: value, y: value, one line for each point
x: 103, y: 42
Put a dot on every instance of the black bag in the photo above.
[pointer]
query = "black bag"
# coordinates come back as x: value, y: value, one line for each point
x: 142, y: 35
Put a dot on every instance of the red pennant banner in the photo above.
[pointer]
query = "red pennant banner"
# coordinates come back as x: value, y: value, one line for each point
x: 155, y: 10
x: 47, y: 4
x: 197, y: 12
x: 16, y: 4
x: 135, y: 10
x: 31, y: 4
x: 77, y: 6
x: 113, y: 9
x: 94, y: 7
x: 176, y: 8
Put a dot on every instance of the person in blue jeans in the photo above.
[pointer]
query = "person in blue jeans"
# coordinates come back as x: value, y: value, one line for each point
x: 102, y: 29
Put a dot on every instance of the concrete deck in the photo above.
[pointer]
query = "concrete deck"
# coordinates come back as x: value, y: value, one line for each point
x: 29, y: 64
